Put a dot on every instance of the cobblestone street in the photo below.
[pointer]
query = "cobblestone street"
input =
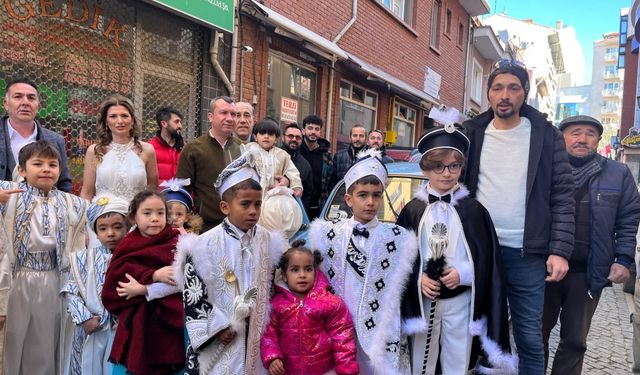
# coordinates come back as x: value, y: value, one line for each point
x: 609, y: 349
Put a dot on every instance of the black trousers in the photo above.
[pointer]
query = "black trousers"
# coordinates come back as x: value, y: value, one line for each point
x: 569, y: 300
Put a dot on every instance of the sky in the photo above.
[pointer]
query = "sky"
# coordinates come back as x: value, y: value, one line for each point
x: 590, y: 18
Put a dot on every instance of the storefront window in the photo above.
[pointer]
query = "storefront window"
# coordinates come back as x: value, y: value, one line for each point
x: 291, y: 90
x: 404, y: 124
x: 81, y: 52
x: 357, y: 106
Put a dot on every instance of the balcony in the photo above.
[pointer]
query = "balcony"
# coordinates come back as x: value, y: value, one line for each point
x: 612, y: 75
x: 610, y: 110
x: 612, y: 93
x: 610, y: 57
x: 486, y: 42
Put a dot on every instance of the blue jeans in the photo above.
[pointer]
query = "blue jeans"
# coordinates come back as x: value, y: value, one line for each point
x: 525, y: 274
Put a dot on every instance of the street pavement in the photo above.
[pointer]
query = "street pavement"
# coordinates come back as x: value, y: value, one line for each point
x: 609, y: 350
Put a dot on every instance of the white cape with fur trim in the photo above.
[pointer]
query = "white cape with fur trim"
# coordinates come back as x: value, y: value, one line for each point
x: 376, y: 311
x: 202, y: 268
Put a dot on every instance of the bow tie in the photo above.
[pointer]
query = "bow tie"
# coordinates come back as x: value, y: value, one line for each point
x: 444, y: 198
x: 364, y: 232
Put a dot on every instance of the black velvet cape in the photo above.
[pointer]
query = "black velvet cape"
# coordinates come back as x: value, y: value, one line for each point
x: 490, y: 294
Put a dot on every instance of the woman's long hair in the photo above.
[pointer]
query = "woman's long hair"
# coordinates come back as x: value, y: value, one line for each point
x: 102, y: 129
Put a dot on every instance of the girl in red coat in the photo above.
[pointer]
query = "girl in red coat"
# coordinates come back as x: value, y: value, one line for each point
x: 310, y: 330
x: 149, y: 339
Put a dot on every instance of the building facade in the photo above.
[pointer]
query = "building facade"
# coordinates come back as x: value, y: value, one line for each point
x: 630, y: 126
x: 573, y: 101
x: 486, y: 50
x: 552, y: 55
x: 383, y: 64
x: 607, y: 81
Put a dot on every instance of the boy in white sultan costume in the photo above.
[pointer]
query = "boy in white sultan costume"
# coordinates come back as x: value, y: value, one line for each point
x: 272, y: 161
x: 368, y: 264
x: 226, y: 273
x: 41, y: 227
x: 94, y: 330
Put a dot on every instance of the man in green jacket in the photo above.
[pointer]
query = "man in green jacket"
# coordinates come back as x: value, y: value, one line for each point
x: 204, y: 158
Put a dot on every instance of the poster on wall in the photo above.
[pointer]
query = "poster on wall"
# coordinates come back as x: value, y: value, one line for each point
x: 288, y: 110
x: 432, y: 82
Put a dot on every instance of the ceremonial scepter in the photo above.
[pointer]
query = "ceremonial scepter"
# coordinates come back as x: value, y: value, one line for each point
x: 433, y: 267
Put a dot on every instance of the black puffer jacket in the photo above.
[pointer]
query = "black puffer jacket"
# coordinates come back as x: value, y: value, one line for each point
x: 342, y: 161
x: 306, y: 175
x: 550, y: 206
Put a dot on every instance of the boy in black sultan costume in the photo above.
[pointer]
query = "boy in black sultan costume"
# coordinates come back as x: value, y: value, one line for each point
x: 473, y: 269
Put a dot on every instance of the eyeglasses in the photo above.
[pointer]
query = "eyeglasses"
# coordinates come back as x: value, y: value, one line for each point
x: 291, y: 136
x: 506, y: 63
x: 439, y: 168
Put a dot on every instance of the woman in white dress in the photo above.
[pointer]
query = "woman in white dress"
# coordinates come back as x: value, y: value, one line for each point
x: 119, y: 163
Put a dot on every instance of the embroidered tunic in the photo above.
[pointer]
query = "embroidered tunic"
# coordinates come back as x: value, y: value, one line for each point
x: 215, y: 270
x: 37, y: 235
x: 83, y: 291
x: 369, y: 273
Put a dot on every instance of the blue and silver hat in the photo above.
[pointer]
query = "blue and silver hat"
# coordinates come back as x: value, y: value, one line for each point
x: 174, y: 191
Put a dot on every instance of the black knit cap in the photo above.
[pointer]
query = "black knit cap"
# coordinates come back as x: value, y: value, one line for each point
x: 448, y: 137
x: 582, y: 120
x: 514, y: 67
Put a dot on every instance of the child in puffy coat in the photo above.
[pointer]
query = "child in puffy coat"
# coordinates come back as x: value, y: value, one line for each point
x: 310, y: 330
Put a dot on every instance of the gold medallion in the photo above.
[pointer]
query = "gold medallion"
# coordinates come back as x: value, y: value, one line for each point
x: 230, y: 277
x: 102, y: 201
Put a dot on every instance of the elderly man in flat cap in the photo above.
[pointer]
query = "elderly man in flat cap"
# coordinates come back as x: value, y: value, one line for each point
x: 606, y: 218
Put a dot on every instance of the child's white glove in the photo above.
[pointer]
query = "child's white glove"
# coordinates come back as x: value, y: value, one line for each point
x: 242, y: 306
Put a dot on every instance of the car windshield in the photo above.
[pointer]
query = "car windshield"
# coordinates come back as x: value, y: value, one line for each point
x: 400, y: 191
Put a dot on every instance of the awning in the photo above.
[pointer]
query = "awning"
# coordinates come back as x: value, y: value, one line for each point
x: 391, y: 80
x: 289, y: 28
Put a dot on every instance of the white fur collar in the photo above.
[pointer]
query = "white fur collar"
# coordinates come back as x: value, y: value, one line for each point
x: 461, y: 193
x: 196, y: 246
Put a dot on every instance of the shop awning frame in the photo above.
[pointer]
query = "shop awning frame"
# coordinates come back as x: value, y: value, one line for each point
x: 287, y: 27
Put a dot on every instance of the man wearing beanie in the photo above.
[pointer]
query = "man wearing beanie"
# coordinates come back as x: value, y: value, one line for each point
x: 518, y: 169
x: 607, y: 216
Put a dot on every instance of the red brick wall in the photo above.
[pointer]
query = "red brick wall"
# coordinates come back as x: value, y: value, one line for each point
x: 250, y: 34
x: 382, y: 40
x: 378, y: 37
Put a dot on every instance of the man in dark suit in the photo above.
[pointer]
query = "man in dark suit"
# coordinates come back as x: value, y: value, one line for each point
x: 19, y: 127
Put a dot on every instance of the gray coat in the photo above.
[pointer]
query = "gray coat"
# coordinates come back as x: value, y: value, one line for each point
x: 7, y: 164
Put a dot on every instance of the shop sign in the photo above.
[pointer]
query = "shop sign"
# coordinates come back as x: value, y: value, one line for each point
x: 633, y: 139
x: 217, y: 13
x: 78, y: 12
x: 288, y: 110
x: 432, y: 82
